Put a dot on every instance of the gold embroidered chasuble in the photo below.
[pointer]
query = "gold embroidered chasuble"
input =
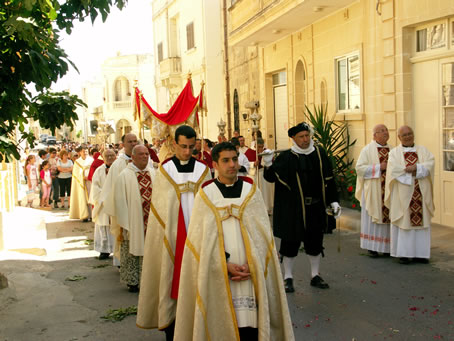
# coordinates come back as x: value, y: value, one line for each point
x: 79, y: 194
x: 206, y: 310
x: 156, y: 308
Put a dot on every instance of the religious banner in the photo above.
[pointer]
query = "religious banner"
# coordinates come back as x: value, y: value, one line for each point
x: 183, y: 111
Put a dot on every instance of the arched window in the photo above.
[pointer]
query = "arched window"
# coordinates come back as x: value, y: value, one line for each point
x: 236, y: 111
x: 121, y: 89
x: 323, y: 93
x: 300, y: 91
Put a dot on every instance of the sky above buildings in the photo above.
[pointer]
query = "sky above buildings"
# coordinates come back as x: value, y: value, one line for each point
x: 129, y: 31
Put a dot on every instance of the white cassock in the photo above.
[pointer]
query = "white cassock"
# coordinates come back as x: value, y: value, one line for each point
x: 243, y: 161
x: 408, y: 240
x: 104, y: 240
x: 106, y: 198
x: 375, y: 235
x: 267, y: 188
x: 243, y: 295
x: 87, y: 164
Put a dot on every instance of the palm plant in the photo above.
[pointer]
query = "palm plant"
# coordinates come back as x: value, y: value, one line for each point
x: 333, y: 136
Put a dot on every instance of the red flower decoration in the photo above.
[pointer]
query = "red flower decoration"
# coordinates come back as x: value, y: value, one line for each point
x: 353, y: 205
x: 352, y: 172
x: 350, y: 189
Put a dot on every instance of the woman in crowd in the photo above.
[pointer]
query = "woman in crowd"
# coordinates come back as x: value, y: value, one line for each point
x: 65, y: 167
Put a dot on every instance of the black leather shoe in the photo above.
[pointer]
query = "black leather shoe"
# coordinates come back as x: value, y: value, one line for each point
x: 318, y: 282
x: 404, y: 260
x: 103, y: 255
x: 372, y: 254
x: 85, y: 220
x: 421, y: 260
x: 133, y: 288
x: 288, y: 284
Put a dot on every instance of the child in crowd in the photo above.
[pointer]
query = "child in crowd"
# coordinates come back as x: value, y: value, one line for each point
x: 32, y: 178
x: 46, y: 183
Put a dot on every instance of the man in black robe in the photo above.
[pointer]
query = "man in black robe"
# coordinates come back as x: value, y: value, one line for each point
x: 304, y: 188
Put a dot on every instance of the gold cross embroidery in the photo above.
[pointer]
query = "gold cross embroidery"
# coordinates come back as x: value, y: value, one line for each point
x: 187, y: 187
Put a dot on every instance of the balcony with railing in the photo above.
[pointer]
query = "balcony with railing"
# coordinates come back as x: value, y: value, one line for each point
x: 265, y: 21
x: 122, y: 104
x: 170, y: 71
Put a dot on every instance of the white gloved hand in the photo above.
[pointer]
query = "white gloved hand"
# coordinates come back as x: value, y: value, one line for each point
x: 336, y: 209
x: 268, y: 157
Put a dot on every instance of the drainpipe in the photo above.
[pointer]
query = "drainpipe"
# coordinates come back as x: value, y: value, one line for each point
x: 227, y: 76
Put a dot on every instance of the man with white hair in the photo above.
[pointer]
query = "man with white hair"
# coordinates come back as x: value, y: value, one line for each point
x: 132, y: 207
x: 370, y: 191
x: 304, y: 189
x: 408, y: 195
x: 104, y: 241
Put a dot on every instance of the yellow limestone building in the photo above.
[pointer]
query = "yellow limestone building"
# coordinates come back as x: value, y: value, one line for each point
x: 372, y: 61
x: 188, y: 39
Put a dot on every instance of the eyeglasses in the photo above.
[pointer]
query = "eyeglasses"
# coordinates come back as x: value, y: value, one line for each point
x: 183, y: 146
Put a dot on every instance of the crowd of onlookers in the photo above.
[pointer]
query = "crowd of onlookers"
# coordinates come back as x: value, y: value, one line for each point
x: 47, y: 171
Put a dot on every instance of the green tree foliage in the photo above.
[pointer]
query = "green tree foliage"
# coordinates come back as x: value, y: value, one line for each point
x: 31, y: 58
x: 333, y: 136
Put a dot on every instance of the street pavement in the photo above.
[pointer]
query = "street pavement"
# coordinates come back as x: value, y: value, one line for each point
x: 368, y: 299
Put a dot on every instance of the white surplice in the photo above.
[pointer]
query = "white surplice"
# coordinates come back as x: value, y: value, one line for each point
x: 106, y: 199
x: 374, y: 236
x: 407, y: 240
x: 104, y: 240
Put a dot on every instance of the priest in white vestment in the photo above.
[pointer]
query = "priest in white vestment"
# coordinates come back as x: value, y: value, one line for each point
x: 129, y: 142
x: 370, y: 191
x: 132, y: 202
x: 175, y: 185
x: 267, y: 188
x: 79, y: 191
x: 243, y: 161
x: 104, y: 240
x: 231, y: 286
x: 409, y: 197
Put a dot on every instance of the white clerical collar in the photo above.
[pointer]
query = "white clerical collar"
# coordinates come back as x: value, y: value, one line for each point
x: 227, y: 185
x: 409, y: 149
x: 305, y: 151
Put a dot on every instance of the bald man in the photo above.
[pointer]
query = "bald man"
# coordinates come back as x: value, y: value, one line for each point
x: 370, y: 191
x: 129, y: 141
x: 132, y: 207
x: 408, y: 195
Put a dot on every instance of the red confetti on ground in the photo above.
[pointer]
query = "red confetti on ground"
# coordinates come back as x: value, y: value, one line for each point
x: 435, y: 312
x: 373, y: 282
x: 414, y: 308
x: 307, y: 326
